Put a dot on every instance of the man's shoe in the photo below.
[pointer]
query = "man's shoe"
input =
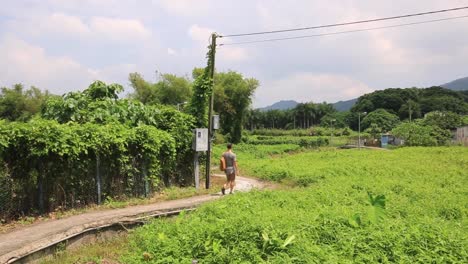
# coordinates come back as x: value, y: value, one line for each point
x: 223, y: 191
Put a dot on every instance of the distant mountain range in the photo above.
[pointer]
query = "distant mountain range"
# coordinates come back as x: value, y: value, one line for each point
x: 344, y: 105
x: 290, y: 104
x: 457, y: 85
x: 281, y: 105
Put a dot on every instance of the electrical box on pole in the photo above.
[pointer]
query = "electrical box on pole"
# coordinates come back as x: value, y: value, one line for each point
x: 215, y: 122
x: 200, y: 139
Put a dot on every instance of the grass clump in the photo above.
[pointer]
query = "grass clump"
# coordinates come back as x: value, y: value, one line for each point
x: 103, y: 252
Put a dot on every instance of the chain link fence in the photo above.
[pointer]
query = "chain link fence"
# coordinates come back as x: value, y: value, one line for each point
x: 6, y: 196
x: 33, y: 194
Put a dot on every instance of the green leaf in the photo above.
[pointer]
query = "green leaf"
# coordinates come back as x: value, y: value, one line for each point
x: 288, y: 241
x: 355, y: 220
x: 379, y: 200
x: 376, y: 212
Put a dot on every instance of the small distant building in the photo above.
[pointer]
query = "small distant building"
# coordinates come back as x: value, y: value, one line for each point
x: 461, y: 136
x: 396, y: 141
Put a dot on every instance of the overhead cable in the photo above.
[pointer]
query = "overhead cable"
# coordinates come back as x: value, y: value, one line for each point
x: 344, y: 24
x: 341, y: 32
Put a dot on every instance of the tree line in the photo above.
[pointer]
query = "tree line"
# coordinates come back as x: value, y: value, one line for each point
x: 232, y: 98
x: 380, y: 110
x: 232, y: 101
x: 412, y: 103
x: 304, y: 115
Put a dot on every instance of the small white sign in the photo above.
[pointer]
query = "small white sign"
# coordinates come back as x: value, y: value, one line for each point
x: 200, y: 139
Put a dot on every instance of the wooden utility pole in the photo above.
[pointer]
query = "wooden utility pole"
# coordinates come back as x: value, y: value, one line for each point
x: 210, y: 110
x: 196, y: 166
x: 410, y: 111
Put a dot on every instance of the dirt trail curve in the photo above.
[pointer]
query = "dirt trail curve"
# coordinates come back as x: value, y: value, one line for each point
x: 22, y: 241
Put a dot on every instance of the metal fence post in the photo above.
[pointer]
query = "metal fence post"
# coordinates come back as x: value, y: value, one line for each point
x: 98, y: 179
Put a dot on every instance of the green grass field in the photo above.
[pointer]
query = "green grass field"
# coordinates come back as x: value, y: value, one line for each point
x: 409, y: 205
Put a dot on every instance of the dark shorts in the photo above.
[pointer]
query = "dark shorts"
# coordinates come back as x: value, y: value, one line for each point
x: 230, y: 173
x: 231, y: 177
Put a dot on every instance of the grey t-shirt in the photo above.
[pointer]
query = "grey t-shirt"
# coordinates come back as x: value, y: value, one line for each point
x: 230, y: 159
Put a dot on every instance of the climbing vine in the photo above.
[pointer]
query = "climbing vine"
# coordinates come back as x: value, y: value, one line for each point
x: 89, y: 146
x: 202, y: 88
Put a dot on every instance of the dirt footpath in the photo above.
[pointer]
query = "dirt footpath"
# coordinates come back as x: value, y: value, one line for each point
x: 21, y: 242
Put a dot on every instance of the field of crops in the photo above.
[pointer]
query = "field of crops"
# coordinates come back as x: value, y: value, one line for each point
x: 309, y: 142
x: 408, y: 205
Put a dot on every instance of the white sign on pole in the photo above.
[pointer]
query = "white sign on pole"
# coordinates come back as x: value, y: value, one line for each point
x: 200, y: 141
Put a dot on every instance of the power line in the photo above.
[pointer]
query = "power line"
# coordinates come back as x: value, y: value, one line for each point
x: 341, y: 32
x: 344, y: 24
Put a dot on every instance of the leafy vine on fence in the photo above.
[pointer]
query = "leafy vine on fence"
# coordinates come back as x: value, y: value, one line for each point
x: 89, y: 141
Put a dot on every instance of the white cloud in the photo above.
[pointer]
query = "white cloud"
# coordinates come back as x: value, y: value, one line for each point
x: 95, y: 28
x: 119, y: 29
x: 53, y: 24
x: 387, y: 50
x: 284, y: 14
x: 184, y: 7
x: 316, y: 87
x: 26, y: 63
x: 234, y: 54
x: 62, y: 23
x: 31, y: 65
x: 200, y: 34
x: 171, y: 51
x: 77, y: 4
x: 225, y: 53
x: 117, y: 73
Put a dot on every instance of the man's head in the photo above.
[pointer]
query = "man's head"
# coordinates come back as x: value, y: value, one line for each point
x: 229, y: 146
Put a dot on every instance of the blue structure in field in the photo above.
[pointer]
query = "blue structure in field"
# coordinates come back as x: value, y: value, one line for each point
x: 384, y: 140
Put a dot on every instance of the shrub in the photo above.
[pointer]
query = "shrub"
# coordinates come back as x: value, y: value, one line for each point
x: 52, y: 164
x: 417, y: 134
x: 308, y: 142
x: 443, y: 120
x: 382, y: 119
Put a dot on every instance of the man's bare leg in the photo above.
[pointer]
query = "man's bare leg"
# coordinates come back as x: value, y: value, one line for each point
x: 232, y: 184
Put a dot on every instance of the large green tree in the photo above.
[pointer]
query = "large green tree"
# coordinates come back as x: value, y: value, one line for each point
x: 170, y: 89
x: 233, y: 96
x: 389, y: 99
x: 444, y: 120
x: 173, y: 89
x: 410, y: 110
x: 16, y: 103
x: 144, y: 91
x: 381, y: 119
x: 335, y: 119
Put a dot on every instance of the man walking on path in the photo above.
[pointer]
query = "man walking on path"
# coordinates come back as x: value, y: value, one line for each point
x: 231, y: 169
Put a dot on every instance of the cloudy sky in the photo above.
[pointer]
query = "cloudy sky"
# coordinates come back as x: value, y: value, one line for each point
x: 63, y: 45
